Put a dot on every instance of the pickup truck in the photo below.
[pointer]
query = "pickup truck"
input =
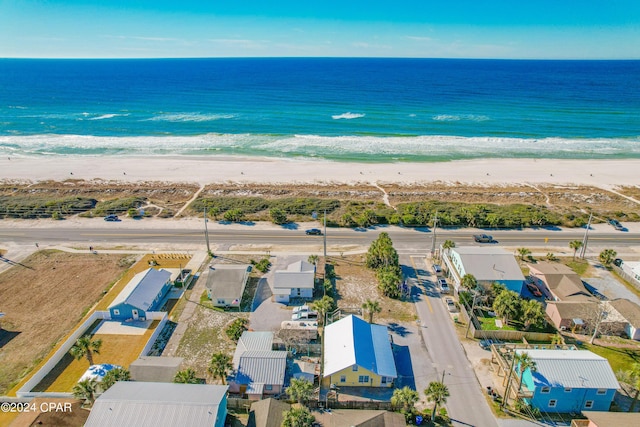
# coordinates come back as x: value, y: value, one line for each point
x: 482, y: 238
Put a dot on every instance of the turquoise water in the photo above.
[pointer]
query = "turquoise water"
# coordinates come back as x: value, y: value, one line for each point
x: 338, y: 109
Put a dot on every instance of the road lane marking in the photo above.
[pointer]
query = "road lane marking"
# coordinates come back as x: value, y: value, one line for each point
x: 415, y: 270
x: 212, y: 235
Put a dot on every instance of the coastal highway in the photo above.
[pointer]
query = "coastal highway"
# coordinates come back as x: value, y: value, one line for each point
x: 418, y: 239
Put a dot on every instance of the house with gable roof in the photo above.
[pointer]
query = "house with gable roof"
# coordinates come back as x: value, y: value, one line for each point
x: 297, y: 281
x: 357, y: 353
x: 567, y: 381
x: 144, y: 293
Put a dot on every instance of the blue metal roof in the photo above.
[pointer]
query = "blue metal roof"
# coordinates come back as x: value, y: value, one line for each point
x: 143, y: 289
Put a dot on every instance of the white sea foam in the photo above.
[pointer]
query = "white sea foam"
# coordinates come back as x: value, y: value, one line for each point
x: 324, y: 147
x: 347, y: 116
x: 455, y: 118
x: 189, y: 117
x: 107, y: 116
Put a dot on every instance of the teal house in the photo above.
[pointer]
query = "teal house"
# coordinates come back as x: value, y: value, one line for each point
x: 568, y: 381
x: 144, y: 293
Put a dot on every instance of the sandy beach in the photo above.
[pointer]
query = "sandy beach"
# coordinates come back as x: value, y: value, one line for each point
x: 208, y: 170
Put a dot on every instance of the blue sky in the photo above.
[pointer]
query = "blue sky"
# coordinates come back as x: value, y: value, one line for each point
x: 553, y: 29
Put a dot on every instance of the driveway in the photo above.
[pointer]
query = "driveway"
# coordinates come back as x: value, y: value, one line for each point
x: 266, y: 314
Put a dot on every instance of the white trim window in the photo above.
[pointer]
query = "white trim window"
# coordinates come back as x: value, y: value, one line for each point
x: 116, y: 312
x: 545, y: 390
x: 588, y: 404
x: 553, y: 403
x: 601, y: 391
x: 568, y: 389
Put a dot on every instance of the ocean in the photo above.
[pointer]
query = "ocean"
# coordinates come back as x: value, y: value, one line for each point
x: 341, y: 109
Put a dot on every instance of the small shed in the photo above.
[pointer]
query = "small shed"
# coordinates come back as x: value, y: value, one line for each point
x: 155, y: 368
x: 226, y: 283
x: 144, y: 293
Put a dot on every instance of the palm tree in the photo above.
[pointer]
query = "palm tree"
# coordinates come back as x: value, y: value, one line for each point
x: 551, y: 256
x: 448, y: 244
x: 220, y: 365
x: 532, y: 313
x: 524, y: 362
x: 300, y: 390
x: 523, y: 252
x: 507, y: 305
x: 297, y: 416
x: 406, y: 397
x: 114, y: 375
x: 85, y: 347
x: 437, y: 393
x: 86, y: 390
x: 313, y: 259
x: 575, y: 245
x: 607, y: 256
x: 186, y: 376
x: 371, y: 307
x: 322, y: 306
x: 631, y: 377
x: 469, y: 282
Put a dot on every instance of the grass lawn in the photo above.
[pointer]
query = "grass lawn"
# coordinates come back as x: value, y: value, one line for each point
x: 619, y: 358
x: 116, y: 349
x: 489, y: 324
x: 579, y: 266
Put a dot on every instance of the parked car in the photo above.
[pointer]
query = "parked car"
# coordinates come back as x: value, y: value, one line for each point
x: 534, y: 290
x: 451, y: 305
x: 314, y: 232
x: 437, y: 268
x: 483, y: 238
x: 616, y: 224
x: 444, y: 287
x: 302, y: 309
x: 304, y: 315
x: 111, y: 218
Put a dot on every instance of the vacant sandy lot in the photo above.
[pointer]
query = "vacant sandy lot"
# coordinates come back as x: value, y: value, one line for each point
x: 43, y: 299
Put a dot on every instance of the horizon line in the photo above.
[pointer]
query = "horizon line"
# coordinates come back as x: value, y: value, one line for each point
x: 314, y: 57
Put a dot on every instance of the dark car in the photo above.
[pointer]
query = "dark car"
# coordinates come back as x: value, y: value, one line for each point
x: 314, y: 232
x: 482, y: 238
x: 111, y: 218
x: 437, y: 268
x: 534, y: 290
x: 616, y: 224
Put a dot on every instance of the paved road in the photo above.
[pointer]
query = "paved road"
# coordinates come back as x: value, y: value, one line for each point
x: 404, y: 239
x: 466, y: 404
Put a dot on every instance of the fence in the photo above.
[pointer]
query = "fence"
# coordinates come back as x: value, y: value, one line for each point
x: 501, y: 335
x: 237, y: 404
x: 155, y: 315
x: 25, y: 390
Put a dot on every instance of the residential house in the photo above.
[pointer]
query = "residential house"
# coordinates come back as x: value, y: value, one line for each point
x: 258, y: 370
x: 487, y: 264
x: 569, y: 381
x: 297, y: 281
x: 132, y: 403
x: 357, y: 353
x: 226, y: 283
x: 632, y: 269
x: 608, y: 419
x: 144, y: 293
x: 630, y: 312
x: 269, y: 413
x: 562, y: 282
x: 583, y: 316
x: 155, y: 368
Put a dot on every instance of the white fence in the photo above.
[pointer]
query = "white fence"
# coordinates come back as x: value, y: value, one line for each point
x: 155, y: 315
x: 25, y: 390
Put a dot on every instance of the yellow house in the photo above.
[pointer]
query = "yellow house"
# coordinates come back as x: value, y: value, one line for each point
x: 358, y: 354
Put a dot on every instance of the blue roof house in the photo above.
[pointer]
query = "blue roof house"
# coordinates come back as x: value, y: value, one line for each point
x: 358, y: 354
x: 567, y: 381
x: 142, y: 294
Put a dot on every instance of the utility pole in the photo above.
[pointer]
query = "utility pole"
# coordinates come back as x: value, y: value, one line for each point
x: 473, y: 307
x: 585, y: 240
x: 443, y: 372
x: 324, y: 235
x: 206, y: 230
x: 433, y: 242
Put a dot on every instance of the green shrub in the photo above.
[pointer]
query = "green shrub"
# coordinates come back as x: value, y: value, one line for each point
x: 278, y: 216
x: 236, y: 328
x: 118, y: 206
x: 262, y: 265
x: 234, y: 215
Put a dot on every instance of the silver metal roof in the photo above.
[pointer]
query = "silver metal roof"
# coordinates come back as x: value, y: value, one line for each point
x: 262, y: 367
x: 297, y: 275
x: 352, y: 341
x: 250, y: 340
x: 572, y: 368
x: 131, y: 403
x: 143, y: 288
x: 489, y: 264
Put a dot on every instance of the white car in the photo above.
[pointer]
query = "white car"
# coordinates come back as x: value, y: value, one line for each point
x: 451, y: 304
x: 304, y: 315
x: 301, y: 309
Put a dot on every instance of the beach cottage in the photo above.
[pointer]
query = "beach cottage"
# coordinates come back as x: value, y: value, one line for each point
x: 144, y: 293
x: 357, y: 353
x: 567, y: 381
x: 297, y: 281
x: 226, y: 283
